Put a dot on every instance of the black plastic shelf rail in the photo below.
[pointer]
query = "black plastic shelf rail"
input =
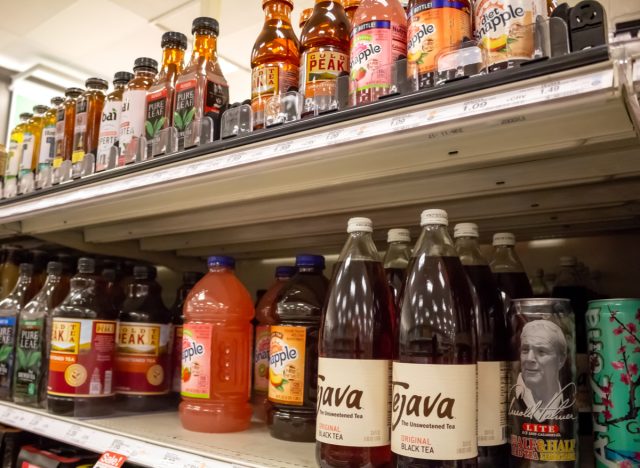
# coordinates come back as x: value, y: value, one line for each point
x: 526, y: 71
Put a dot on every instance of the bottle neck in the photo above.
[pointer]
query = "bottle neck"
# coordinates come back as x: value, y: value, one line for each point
x: 172, y: 56
x: 435, y: 242
x: 204, y: 46
x: 469, y: 251
x: 360, y: 247
x: 505, y: 260
x: 23, y: 283
x: 220, y: 269
x: 119, y: 85
x: 397, y: 256
x: 309, y: 270
x: 277, y: 11
x: 144, y: 73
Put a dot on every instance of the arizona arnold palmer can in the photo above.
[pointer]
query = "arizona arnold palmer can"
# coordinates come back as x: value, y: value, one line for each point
x: 542, y: 407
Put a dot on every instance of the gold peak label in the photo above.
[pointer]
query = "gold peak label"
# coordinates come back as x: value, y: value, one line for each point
x: 65, y: 337
x: 138, y: 339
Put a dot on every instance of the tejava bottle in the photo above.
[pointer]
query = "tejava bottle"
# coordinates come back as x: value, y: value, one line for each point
x: 293, y: 352
x: 490, y: 321
x: 378, y: 40
x: 32, y: 339
x: 508, y: 269
x: 434, y: 407
x: 143, y: 353
x: 83, y: 338
x: 356, y: 348
x: 396, y: 260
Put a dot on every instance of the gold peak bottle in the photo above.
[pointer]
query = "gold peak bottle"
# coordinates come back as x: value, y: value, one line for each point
x: 201, y: 89
x: 325, y: 52
x: 65, y: 122
x: 48, y: 137
x: 160, y: 94
x: 31, y: 141
x: 87, y: 127
x: 304, y: 17
x: 110, y: 123
x: 350, y: 7
x: 275, y: 58
x: 134, y: 100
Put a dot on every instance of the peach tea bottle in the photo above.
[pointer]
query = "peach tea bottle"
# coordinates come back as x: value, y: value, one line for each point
x: 48, y: 138
x: 325, y: 52
x: 160, y: 94
x: 31, y: 141
x: 65, y: 123
x: 201, y: 89
x: 110, y: 122
x: 434, y: 27
x: 88, y: 115
x: 133, y: 115
x: 275, y: 58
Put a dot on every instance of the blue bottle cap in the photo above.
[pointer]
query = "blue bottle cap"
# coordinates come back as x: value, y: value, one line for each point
x: 221, y: 260
x: 285, y: 271
x: 310, y: 260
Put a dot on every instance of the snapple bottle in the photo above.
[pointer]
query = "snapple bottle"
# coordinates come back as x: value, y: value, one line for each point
x: 434, y: 408
x: 83, y: 341
x: 275, y: 58
x: 356, y: 349
x: 434, y: 27
x: 378, y: 40
x: 216, y: 352
x: 325, y: 54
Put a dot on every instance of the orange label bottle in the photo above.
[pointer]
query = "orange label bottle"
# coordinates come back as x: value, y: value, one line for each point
x: 434, y: 26
x: 87, y: 125
x: 275, y: 58
x: 65, y: 123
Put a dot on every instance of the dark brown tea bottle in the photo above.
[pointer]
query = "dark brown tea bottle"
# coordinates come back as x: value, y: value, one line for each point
x: 507, y: 267
x: 356, y: 350
x: 434, y: 406
x: 491, y: 327
x: 396, y: 260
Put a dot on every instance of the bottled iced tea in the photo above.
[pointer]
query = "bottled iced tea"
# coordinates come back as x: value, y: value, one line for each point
x: 324, y: 47
x: 378, y: 40
x: 65, y: 123
x: 538, y: 285
x: 507, y: 267
x: 432, y: 28
x: 134, y: 100
x: 356, y: 348
x: 396, y: 260
x: 89, y: 108
x: 14, y: 156
x: 83, y: 340
x: 115, y: 292
x: 39, y: 259
x: 201, y: 89
x: 31, y: 141
x: 293, y: 353
x: 32, y: 343
x: 48, y: 138
x: 434, y: 409
x: 493, y: 342
x: 350, y: 8
x: 10, y: 308
x: 304, y: 17
x: 160, y: 95
x: 265, y: 316
x: 110, y: 122
x: 10, y: 269
x: 275, y: 58
x: 143, y: 339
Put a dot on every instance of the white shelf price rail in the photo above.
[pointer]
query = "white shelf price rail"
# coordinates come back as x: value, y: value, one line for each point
x: 550, y: 90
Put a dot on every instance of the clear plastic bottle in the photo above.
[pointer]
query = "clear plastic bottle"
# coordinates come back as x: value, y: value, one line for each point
x: 65, y: 124
x: 538, y: 285
x: 48, y: 138
x: 10, y: 269
x: 86, y: 131
x: 216, y: 352
x: 507, y: 267
x: 10, y: 308
x: 304, y: 17
x: 32, y: 339
x: 14, y: 156
x: 356, y: 348
x: 434, y: 376
x: 114, y: 291
x: 396, y: 260
x: 31, y: 141
x: 493, y: 340
x: 293, y: 353
x: 83, y: 340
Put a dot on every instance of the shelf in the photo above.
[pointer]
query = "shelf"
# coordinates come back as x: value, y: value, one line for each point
x: 544, y: 155
x: 157, y: 440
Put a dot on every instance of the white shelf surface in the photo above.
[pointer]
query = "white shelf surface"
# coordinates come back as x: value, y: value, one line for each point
x: 157, y: 440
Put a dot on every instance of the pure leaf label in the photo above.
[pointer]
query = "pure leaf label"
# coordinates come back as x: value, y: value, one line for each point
x: 28, y: 366
x: 7, y: 340
x: 185, y: 110
x: 156, y: 112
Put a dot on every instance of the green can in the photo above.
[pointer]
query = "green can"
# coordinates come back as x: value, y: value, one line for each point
x: 613, y: 330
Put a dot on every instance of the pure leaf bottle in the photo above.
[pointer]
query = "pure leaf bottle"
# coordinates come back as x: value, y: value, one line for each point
x: 32, y: 343
x: 434, y: 408
x: 201, y: 89
x: 10, y: 307
x: 356, y: 350
x: 490, y: 321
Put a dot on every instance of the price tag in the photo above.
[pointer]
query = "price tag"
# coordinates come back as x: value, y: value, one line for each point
x: 550, y: 88
x: 110, y: 459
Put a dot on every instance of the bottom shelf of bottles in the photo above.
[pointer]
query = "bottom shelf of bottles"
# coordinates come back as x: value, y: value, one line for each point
x: 158, y: 440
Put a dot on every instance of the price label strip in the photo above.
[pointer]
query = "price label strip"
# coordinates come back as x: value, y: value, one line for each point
x: 583, y: 84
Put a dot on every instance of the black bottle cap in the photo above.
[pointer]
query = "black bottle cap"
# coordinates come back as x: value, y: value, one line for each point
x: 73, y: 92
x: 175, y: 39
x: 96, y: 83
x: 40, y: 109
x: 54, y: 268
x: 147, y: 63
x: 205, y: 23
x: 86, y: 265
x: 56, y: 101
x: 122, y: 77
x: 26, y: 115
x: 25, y: 269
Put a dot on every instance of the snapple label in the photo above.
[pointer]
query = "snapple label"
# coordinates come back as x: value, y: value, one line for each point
x: 196, y: 360
x: 287, y: 364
